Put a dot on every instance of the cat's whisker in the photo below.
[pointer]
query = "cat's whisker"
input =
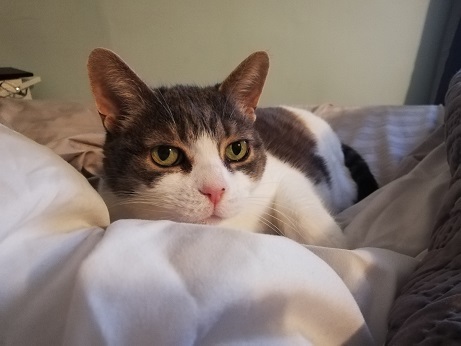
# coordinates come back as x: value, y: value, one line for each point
x: 139, y: 201
x: 165, y: 105
x: 287, y: 221
x: 290, y: 226
x: 233, y: 108
x: 275, y: 228
x: 140, y: 206
x: 305, y: 200
x: 269, y: 224
x: 134, y: 201
x: 288, y: 218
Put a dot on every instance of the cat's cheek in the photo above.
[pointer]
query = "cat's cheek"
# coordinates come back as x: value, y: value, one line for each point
x: 237, y: 197
x: 227, y: 211
x: 178, y: 194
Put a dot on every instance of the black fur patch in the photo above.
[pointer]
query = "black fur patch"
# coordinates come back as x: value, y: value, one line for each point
x: 360, y: 172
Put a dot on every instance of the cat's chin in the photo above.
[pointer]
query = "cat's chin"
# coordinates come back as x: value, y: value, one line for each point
x: 212, y: 220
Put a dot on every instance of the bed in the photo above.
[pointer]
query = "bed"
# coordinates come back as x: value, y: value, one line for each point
x: 70, y: 276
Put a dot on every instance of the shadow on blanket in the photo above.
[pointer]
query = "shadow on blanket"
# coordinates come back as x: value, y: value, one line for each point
x: 428, y: 309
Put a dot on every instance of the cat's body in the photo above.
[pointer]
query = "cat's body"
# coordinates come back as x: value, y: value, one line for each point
x: 206, y: 155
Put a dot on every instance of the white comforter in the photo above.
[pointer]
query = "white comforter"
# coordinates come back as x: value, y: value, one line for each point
x: 68, y: 276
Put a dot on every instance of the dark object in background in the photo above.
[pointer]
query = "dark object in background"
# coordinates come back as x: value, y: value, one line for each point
x: 360, y: 172
x: 450, y: 55
x: 7, y: 73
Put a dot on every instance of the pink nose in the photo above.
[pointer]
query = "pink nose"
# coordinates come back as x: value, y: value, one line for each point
x: 214, y: 193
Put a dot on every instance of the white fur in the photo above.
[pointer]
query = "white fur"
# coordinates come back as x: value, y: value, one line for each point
x: 343, y: 190
x: 284, y: 201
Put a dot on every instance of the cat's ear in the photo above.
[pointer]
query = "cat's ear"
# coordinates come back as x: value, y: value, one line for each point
x: 117, y: 90
x: 245, y: 84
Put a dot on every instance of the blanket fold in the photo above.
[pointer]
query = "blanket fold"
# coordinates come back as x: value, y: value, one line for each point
x: 428, y: 309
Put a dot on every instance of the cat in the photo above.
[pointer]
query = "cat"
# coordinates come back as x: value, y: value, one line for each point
x: 208, y: 155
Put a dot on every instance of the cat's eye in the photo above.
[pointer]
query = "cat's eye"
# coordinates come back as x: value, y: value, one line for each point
x: 237, y: 151
x: 165, y: 155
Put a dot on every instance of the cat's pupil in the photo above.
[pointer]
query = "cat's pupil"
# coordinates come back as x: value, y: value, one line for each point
x: 164, y: 152
x: 236, y: 148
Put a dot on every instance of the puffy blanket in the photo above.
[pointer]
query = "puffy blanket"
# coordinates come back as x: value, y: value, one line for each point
x: 69, y: 276
x: 428, y: 309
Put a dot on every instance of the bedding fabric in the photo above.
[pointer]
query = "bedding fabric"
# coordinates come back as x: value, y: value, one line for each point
x: 69, y: 276
x: 428, y: 309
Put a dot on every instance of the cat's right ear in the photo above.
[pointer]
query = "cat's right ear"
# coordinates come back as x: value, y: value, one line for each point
x: 117, y: 90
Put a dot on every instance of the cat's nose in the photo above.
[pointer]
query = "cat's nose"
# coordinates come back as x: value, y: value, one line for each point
x: 213, y: 193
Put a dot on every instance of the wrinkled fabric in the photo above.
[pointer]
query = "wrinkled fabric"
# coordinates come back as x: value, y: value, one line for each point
x: 428, y: 308
x: 68, y: 276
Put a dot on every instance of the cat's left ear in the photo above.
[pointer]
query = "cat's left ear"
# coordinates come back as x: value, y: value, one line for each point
x: 245, y: 84
x: 119, y: 93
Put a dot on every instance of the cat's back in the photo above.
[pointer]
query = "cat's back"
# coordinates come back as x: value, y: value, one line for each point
x: 307, y: 143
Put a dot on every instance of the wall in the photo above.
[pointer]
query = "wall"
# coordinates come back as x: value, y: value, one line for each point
x: 354, y: 52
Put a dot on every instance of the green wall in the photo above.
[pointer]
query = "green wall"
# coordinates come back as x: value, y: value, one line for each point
x: 354, y: 52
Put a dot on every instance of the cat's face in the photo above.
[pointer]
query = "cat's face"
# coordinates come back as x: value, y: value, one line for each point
x: 183, y: 153
x: 191, y: 156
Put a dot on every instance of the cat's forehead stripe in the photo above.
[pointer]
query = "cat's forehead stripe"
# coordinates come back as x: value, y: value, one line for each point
x: 192, y: 111
x: 205, y: 147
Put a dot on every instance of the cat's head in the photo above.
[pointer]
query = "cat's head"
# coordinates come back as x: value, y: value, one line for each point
x: 183, y: 153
